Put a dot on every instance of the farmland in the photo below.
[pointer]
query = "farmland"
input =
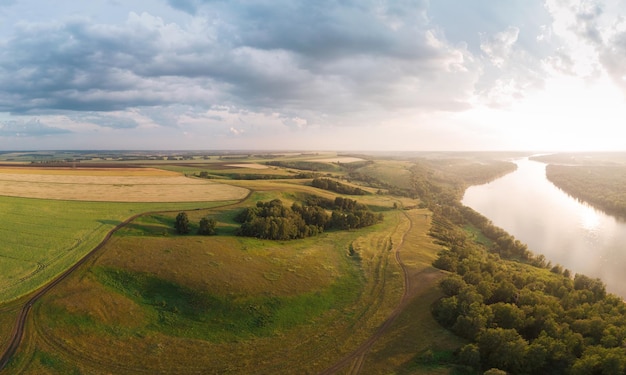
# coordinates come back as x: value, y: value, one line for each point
x: 279, y: 305
x: 153, y: 301
x: 42, y: 237
x: 112, y: 185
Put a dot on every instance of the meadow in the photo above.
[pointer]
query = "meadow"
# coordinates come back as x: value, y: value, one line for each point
x: 43, y: 237
x: 175, y: 304
x: 152, y: 301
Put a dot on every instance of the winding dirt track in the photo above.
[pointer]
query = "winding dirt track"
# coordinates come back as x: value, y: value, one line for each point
x: 357, y: 357
x: 18, y: 329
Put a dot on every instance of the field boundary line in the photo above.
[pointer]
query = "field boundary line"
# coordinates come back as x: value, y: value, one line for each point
x: 18, y: 329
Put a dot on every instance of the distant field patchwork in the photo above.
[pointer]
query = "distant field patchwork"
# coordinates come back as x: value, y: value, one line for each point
x: 112, y: 185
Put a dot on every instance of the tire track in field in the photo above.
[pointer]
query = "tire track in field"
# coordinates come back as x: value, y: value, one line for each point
x: 18, y: 328
x: 357, y: 357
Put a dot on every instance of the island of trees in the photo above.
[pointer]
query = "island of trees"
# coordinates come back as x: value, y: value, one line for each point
x: 275, y: 221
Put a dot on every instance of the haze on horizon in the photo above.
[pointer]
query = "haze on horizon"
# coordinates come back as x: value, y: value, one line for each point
x: 324, y: 75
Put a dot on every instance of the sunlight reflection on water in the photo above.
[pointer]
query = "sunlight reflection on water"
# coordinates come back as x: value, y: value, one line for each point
x: 566, y: 231
x: 589, y: 219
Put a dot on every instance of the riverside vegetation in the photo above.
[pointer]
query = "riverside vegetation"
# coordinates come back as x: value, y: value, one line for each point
x: 601, y: 186
x: 156, y: 301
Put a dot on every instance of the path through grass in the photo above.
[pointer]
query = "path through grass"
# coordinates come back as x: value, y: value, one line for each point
x: 41, y: 238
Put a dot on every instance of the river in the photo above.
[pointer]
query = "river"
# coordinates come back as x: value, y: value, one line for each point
x: 550, y: 222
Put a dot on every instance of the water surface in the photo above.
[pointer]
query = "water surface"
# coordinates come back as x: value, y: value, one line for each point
x: 550, y: 222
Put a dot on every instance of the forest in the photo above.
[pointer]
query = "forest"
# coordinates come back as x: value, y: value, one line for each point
x: 519, y: 313
x: 601, y: 186
x: 275, y: 221
x: 526, y: 317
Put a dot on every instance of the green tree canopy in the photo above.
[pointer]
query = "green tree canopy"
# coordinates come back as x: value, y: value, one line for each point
x: 182, y: 223
x: 207, y: 226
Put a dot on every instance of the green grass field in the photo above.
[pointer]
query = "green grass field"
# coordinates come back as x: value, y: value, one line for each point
x: 222, y: 304
x: 42, y: 238
x: 152, y: 301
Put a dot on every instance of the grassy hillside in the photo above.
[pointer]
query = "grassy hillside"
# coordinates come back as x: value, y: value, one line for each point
x: 41, y: 238
x: 152, y: 301
x: 178, y: 303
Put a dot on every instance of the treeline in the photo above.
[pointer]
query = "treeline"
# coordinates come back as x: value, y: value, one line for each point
x: 440, y: 181
x: 272, y: 220
x: 338, y: 187
x: 252, y: 176
x: 305, y: 165
x: 519, y: 313
x: 524, y: 319
x: 601, y: 186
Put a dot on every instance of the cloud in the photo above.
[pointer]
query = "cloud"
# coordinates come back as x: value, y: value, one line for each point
x: 236, y: 132
x: 108, y: 121
x: 587, y: 14
x: 263, y: 56
x: 255, y: 69
x: 498, y: 47
x: 28, y: 128
x: 189, y: 6
x: 511, y: 72
x: 593, y: 38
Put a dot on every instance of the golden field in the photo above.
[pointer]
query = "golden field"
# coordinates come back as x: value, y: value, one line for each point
x: 113, y: 185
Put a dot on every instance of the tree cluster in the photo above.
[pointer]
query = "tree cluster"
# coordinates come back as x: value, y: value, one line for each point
x: 337, y: 187
x: 525, y: 319
x: 273, y: 220
x: 206, y: 226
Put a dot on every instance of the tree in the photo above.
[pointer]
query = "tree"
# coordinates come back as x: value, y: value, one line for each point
x: 207, y: 226
x: 502, y: 348
x: 470, y: 355
x: 182, y: 223
x: 452, y: 285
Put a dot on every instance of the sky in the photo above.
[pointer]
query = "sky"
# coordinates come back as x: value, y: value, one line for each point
x: 345, y: 75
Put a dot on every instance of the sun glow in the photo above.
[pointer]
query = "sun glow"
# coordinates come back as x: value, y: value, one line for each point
x: 567, y: 115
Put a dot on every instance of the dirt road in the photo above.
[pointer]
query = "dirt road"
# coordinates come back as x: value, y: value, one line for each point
x: 357, y: 357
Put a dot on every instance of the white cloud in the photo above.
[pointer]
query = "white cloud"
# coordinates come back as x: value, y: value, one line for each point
x: 236, y: 132
x: 498, y: 47
x: 256, y: 73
